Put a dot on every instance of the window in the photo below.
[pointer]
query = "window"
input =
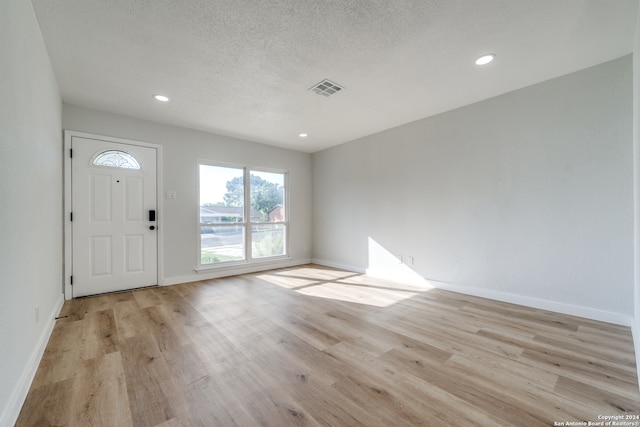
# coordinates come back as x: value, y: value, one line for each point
x: 242, y: 215
x: 268, y: 227
x: 116, y: 159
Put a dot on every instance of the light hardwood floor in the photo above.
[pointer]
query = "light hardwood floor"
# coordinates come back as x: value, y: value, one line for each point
x: 317, y: 346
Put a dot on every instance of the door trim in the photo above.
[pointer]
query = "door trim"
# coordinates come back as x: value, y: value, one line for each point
x: 68, y: 238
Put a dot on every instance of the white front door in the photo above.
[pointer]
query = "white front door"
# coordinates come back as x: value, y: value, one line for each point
x: 113, y: 203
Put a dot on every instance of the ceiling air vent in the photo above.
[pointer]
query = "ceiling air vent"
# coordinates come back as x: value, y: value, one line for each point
x: 326, y: 88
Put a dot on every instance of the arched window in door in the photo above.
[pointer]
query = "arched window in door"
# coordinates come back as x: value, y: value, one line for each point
x: 116, y: 159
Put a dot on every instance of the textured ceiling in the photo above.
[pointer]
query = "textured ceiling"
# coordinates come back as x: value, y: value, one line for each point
x: 243, y: 67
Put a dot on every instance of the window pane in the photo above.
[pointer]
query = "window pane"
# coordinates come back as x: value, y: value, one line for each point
x: 267, y: 197
x: 221, y: 194
x: 221, y: 243
x: 267, y: 240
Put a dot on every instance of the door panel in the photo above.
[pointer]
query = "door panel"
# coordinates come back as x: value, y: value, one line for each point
x: 134, y: 208
x: 134, y: 254
x: 101, y: 197
x: 113, y: 246
x: 101, y: 264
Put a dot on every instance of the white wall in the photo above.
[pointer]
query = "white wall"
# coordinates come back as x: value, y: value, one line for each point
x: 636, y: 182
x: 526, y: 197
x: 30, y: 202
x: 182, y: 148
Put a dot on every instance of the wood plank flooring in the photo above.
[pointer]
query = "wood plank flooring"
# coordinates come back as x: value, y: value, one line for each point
x: 323, y: 347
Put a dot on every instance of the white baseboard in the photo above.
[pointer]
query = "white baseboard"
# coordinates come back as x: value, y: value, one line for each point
x: 573, y: 310
x: 338, y: 265
x: 558, y: 307
x: 12, y: 410
x: 401, y: 274
x: 216, y: 273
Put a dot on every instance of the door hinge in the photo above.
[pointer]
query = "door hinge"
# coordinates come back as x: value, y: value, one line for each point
x: 71, y: 281
x: 71, y: 152
x: 70, y: 216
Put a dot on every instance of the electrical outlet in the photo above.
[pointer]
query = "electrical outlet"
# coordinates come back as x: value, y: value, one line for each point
x: 36, y: 312
x: 399, y: 258
x: 410, y: 260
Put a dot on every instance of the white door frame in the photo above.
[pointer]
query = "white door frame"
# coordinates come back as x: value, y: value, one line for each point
x: 68, y: 240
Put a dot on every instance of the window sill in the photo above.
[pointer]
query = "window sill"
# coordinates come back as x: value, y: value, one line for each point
x: 241, y: 264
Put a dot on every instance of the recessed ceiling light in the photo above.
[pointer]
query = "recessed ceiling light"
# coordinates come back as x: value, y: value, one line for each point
x: 485, y: 59
x: 303, y: 135
x: 161, y: 98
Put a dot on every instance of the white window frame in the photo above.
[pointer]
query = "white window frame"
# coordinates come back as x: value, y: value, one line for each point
x: 247, y: 224
x: 285, y: 222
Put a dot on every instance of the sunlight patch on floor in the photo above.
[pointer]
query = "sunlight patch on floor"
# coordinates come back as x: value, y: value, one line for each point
x: 357, y: 294
x: 288, y: 282
x: 342, y: 285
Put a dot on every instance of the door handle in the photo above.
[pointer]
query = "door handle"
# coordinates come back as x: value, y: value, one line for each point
x: 152, y: 227
x: 152, y: 215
